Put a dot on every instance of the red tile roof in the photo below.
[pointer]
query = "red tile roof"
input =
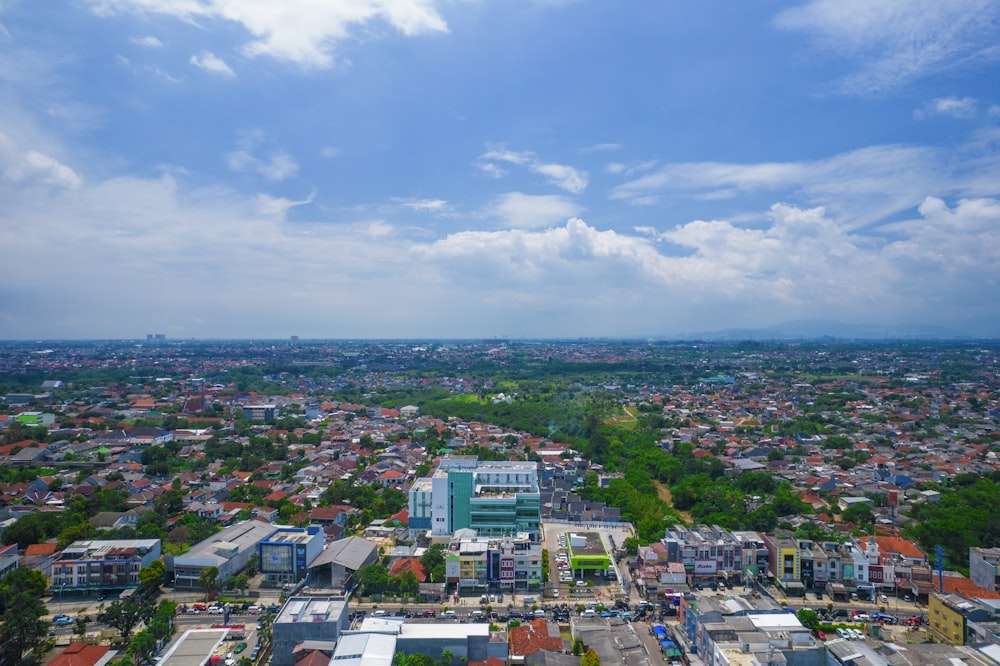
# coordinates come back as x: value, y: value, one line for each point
x: 533, y: 637
x: 409, y: 564
x: 80, y: 654
x: 40, y: 549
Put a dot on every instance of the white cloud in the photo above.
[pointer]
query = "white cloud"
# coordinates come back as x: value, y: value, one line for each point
x: 211, y: 63
x: 962, y: 108
x: 29, y: 166
x: 148, y: 41
x: 333, y: 278
x: 519, y: 210
x: 302, y: 32
x: 897, y: 41
x: 424, y: 205
x: 277, y: 166
x: 863, y: 185
x: 562, y: 176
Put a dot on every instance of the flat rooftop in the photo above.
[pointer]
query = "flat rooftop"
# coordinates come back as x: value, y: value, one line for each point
x: 194, y: 647
x: 311, y: 609
x: 593, y: 546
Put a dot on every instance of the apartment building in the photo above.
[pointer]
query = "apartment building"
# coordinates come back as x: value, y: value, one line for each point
x: 102, y: 565
x: 708, y: 553
x: 509, y: 563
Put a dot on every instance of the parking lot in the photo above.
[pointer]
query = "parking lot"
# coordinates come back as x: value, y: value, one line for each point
x: 583, y: 582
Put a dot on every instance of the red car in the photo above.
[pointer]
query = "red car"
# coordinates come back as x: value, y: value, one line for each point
x: 820, y: 635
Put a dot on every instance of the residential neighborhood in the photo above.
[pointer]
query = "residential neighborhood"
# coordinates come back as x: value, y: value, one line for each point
x: 502, y: 501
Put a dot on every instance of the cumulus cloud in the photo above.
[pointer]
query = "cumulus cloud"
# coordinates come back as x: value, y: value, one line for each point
x: 211, y: 63
x: 302, y: 32
x: 523, y: 280
x: 562, y: 176
x: 519, y: 210
x: 962, y: 108
x: 897, y: 41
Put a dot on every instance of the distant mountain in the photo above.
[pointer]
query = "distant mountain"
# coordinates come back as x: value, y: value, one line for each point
x: 979, y: 328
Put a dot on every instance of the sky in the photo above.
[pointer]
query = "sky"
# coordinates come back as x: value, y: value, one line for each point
x: 496, y: 168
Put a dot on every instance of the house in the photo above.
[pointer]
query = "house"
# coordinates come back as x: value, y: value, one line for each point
x: 532, y: 637
x: 83, y: 654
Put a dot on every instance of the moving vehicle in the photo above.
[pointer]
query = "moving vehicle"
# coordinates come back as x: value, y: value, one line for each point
x: 60, y: 620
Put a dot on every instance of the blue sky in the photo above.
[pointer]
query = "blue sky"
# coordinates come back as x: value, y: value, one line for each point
x: 480, y: 168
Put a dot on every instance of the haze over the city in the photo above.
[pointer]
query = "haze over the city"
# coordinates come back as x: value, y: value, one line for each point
x: 479, y: 168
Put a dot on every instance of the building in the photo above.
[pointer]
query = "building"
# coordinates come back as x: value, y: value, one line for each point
x: 587, y: 552
x: 949, y: 616
x: 229, y: 550
x: 761, y: 637
x: 466, y: 641
x: 284, y: 556
x: 335, y: 566
x: 494, y: 498
x: 8, y: 559
x: 259, y: 412
x: 783, y: 560
x: 82, y: 654
x: 711, y: 553
x: 984, y: 567
x: 302, y: 619
x: 473, y: 563
x: 90, y: 566
x: 365, y: 649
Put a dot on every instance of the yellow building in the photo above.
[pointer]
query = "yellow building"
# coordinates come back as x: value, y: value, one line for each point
x: 946, y: 621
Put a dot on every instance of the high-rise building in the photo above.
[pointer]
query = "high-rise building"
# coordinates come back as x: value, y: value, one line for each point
x: 494, y: 498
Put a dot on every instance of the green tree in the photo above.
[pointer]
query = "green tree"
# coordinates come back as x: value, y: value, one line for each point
x: 141, y: 646
x: 151, y: 577
x: 126, y: 614
x: 209, y: 580
x: 21, y: 625
x: 590, y: 658
x: 808, y: 618
x: 433, y: 561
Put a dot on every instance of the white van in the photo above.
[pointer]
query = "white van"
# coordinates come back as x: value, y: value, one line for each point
x: 884, y: 599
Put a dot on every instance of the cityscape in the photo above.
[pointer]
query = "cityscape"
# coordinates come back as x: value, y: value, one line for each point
x: 500, y: 501
x: 499, y: 333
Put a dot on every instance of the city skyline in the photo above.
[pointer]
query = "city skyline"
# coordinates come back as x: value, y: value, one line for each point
x: 447, y: 169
